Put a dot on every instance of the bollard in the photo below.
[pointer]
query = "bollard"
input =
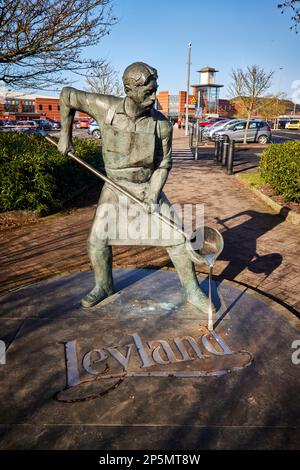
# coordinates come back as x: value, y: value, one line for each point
x: 191, y: 135
x: 216, y: 149
x: 225, y: 149
x: 201, y: 135
x: 230, y: 157
x: 197, y: 142
x: 220, y: 149
x: 199, y: 138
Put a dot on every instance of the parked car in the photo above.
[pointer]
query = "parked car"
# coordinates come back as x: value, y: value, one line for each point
x: 56, y: 125
x: 44, y: 124
x: 25, y: 130
x: 259, y: 131
x: 9, y: 122
x: 209, y: 132
x: 94, y: 129
x: 293, y: 124
x: 211, y: 121
x: 82, y: 123
x: 26, y: 125
x: 3, y: 125
x: 38, y: 131
x: 282, y: 123
x: 11, y: 126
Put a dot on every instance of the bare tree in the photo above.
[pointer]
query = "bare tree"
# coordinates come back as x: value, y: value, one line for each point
x: 41, y: 39
x: 267, y: 107
x: 104, y: 79
x: 248, y: 86
x: 271, y: 106
x: 293, y: 5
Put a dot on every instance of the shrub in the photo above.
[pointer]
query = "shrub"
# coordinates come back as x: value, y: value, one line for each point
x: 34, y: 175
x: 280, y: 168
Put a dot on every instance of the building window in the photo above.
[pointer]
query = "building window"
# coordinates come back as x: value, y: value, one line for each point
x: 173, y: 105
x: 28, y: 106
x: 58, y: 107
x: 11, y: 105
x: 50, y: 107
x: 40, y: 107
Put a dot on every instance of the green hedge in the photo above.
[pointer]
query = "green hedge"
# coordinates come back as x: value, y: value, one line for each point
x: 35, y: 176
x: 280, y: 168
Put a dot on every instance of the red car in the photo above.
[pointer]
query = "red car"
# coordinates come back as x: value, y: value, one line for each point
x: 210, y: 122
x: 84, y: 123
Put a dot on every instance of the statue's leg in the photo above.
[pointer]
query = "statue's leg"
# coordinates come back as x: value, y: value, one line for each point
x: 187, y: 275
x: 101, y: 258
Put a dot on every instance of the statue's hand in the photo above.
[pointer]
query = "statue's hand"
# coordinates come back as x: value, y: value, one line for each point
x: 65, y: 145
x: 151, y: 203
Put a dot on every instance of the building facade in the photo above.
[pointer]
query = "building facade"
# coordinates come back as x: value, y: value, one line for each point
x: 21, y: 106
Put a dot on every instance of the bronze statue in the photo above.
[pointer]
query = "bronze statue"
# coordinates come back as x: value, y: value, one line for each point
x: 136, y: 146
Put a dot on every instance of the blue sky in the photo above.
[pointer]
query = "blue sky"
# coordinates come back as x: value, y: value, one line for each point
x: 225, y: 34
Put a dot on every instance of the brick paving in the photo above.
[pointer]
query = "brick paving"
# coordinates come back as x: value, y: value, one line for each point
x: 261, y: 249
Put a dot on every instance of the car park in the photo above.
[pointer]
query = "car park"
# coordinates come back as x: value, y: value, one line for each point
x: 258, y: 131
x: 94, y: 129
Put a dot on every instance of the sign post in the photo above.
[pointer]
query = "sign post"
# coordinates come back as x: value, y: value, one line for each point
x: 188, y: 89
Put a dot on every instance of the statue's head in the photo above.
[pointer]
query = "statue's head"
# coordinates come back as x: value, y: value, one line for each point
x: 140, y: 84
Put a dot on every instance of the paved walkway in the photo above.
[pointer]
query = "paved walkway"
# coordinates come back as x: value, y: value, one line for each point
x: 261, y: 249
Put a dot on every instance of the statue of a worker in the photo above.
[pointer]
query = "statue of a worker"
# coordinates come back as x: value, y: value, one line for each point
x: 136, y: 147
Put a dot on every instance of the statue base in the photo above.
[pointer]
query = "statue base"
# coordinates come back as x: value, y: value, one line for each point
x: 141, y: 370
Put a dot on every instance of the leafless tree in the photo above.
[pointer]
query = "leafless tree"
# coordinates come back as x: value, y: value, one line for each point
x: 248, y: 86
x: 271, y: 106
x: 41, y: 39
x: 293, y: 5
x: 103, y: 78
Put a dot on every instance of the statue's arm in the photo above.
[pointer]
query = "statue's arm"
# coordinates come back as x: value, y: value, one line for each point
x: 72, y: 100
x: 160, y: 175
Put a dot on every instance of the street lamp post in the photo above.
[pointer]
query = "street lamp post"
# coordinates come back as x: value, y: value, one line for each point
x: 277, y: 103
x: 188, y: 89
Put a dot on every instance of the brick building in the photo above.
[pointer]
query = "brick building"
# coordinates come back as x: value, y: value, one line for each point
x: 226, y: 108
x: 21, y: 106
x: 174, y: 105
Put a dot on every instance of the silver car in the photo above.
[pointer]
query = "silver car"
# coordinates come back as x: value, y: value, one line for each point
x: 94, y: 129
x: 210, y: 130
x: 259, y: 131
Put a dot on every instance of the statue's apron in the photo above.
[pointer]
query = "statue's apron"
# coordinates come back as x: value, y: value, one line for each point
x: 129, y: 160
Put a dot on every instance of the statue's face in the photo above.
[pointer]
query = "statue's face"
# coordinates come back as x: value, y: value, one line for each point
x: 143, y: 95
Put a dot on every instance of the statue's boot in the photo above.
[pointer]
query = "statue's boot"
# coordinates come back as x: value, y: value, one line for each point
x: 187, y: 275
x: 101, y: 259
